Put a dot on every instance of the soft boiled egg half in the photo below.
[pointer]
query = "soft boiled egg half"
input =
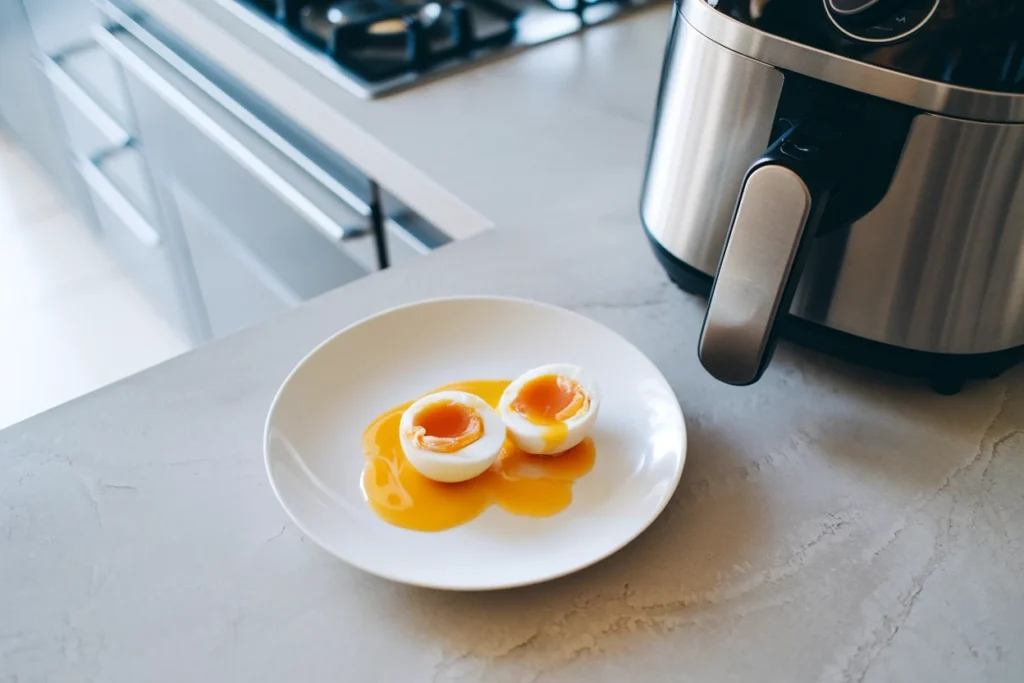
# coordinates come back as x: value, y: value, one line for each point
x: 550, y: 409
x: 451, y: 436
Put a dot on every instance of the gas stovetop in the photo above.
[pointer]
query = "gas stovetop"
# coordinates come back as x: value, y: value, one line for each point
x: 383, y: 45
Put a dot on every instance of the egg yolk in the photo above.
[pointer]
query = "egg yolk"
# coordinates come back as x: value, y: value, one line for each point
x: 519, y: 483
x: 548, y: 401
x: 550, y: 398
x: 446, y: 427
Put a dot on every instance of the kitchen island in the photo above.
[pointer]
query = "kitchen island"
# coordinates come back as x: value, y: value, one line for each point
x: 832, y: 524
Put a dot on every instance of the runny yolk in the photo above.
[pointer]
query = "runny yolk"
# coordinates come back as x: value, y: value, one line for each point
x: 548, y: 401
x: 519, y: 483
x: 550, y: 398
x: 446, y: 427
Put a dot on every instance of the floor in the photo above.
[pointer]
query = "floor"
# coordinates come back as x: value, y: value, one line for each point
x: 70, y: 321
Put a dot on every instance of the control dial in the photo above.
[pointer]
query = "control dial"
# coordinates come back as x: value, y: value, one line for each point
x: 880, y: 21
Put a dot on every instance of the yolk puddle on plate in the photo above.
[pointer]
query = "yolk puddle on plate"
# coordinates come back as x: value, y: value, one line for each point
x: 547, y: 401
x: 520, y: 483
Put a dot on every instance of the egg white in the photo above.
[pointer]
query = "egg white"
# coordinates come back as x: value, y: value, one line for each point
x: 539, y: 439
x: 465, y: 463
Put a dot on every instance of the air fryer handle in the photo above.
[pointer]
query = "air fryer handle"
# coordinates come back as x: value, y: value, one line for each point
x: 780, y: 205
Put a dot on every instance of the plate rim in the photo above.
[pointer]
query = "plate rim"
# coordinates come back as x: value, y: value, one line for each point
x: 497, y: 586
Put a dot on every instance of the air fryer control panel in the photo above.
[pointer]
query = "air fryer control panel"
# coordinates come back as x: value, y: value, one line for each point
x: 971, y: 43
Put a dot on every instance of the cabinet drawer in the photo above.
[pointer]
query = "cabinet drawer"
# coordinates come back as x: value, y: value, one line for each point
x: 237, y: 289
x: 128, y: 171
x: 76, y: 66
x: 60, y: 25
x: 301, y: 259
x: 92, y: 119
x: 262, y: 231
x: 97, y: 75
x: 96, y: 120
x: 136, y: 245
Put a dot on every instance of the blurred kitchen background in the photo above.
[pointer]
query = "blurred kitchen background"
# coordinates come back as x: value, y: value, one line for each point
x: 151, y: 202
x: 70, y: 319
x: 135, y: 225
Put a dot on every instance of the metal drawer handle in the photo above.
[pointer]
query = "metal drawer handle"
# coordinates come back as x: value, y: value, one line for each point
x: 83, y: 102
x: 92, y: 174
x: 194, y: 114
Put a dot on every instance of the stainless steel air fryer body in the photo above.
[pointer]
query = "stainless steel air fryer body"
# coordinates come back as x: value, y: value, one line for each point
x: 933, y: 260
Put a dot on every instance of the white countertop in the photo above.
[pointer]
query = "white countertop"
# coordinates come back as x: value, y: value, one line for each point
x: 832, y: 524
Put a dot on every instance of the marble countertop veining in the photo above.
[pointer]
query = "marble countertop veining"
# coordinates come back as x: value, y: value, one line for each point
x: 832, y: 524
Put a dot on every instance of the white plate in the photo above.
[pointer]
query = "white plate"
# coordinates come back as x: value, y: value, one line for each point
x: 313, y: 454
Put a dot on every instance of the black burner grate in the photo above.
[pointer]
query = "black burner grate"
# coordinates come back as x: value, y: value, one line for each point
x: 382, y: 39
x: 379, y: 41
